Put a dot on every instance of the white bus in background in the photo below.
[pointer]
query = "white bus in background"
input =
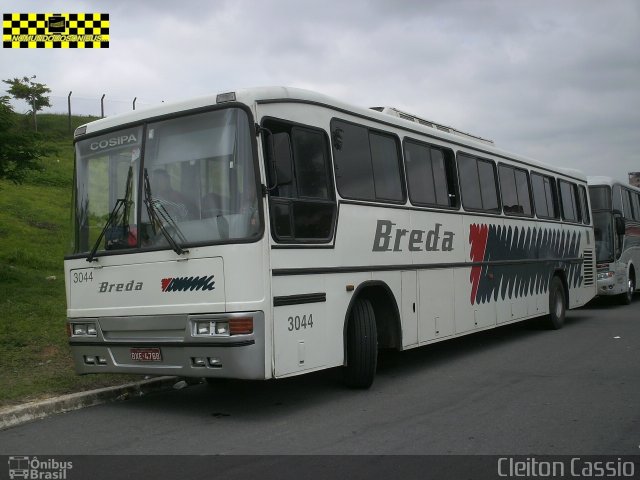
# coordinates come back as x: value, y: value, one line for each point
x: 616, y: 218
x: 271, y: 232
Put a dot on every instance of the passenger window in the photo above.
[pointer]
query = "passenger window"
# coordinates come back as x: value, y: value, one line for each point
x: 367, y: 163
x: 626, y: 204
x: 430, y: 175
x: 304, y: 209
x: 386, y: 170
x: 635, y: 197
x: 311, y: 166
x: 478, y: 184
x: 586, y: 216
x: 569, y: 198
x: 354, y: 172
x: 514, y: 186
x: 544, y: 196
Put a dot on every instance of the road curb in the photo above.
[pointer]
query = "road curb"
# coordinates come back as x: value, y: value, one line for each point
x: 17, y: 415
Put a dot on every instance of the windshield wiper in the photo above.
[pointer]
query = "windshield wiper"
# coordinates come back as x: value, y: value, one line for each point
x: 112, y: 216
x: 158, y: 215
x: 121, y: 204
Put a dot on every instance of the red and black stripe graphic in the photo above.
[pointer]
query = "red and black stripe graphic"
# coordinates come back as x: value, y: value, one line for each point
x: 540, y: 250
x: 184, y: 284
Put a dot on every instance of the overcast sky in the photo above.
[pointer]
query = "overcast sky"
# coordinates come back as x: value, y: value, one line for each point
x: 558, y: 81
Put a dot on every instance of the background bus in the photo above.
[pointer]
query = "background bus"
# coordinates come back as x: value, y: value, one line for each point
x: 271, y: 232
x: 616, y: 217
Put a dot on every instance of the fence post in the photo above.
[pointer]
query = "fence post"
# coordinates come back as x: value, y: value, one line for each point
x: 134, y: 102
x: 69, y: 109
x: 102, y: 105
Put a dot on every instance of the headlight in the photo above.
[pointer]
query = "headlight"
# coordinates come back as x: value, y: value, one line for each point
x: 84, y: 329
x: 604, y: 275
x: 204, y: 328
x: 223, y: 328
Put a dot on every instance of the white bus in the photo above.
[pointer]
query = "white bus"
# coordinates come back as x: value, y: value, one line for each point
x: 271, y: 232
x: 616, y: 219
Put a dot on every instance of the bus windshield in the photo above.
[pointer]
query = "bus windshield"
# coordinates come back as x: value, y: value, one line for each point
x: 198, y: 184
x: 600, y: 197
x: 603, y: 231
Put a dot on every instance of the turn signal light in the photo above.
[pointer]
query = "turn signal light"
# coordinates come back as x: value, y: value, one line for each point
x: 241, y: 326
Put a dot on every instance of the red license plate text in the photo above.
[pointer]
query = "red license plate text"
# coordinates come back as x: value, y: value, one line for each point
x: 146, y: 355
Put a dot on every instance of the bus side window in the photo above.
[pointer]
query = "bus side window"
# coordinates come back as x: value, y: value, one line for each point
x: 626, y: 204
x: 367, y: 163
x: 584, y: 205
x: 304, y: 209
x: 568, y: 197
x: 431, y: 175
x: 514, y: 185
x: 478, y: 184
x: 635, y: 197
x: 544, y: 196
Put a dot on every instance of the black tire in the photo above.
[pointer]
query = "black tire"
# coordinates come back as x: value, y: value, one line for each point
x: 557, y: 304
x: 626, y: 297
x: 362, y: 346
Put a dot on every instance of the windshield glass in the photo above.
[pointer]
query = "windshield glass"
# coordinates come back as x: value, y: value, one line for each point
x: 600, y: 198
x: 199, y: 184
x: 107, y: 169
x: 603, y: 231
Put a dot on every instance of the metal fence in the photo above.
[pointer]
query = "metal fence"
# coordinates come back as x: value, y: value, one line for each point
x: 99, y: 106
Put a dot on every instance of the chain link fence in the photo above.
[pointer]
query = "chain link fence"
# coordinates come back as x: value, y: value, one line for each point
x: 99, y: 106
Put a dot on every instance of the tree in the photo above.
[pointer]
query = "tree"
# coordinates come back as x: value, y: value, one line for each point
x: 19, y: 150
x: 33, y: 92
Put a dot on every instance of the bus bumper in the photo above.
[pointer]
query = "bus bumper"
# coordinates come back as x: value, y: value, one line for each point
x: 136, y: 348
x: 611, y: 285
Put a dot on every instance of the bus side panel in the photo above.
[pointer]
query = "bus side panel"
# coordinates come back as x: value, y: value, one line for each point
x: 314, y: 342
x: 477, y: 286
x: 436, y: 304
x: 299, y: 324
x: 442, y: 245
x: 517, y: 298
x: 581, y: 284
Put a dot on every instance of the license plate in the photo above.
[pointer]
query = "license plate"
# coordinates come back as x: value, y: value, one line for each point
x: 146, y: 354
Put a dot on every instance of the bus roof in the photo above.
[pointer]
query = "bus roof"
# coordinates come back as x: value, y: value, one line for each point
x: 603, y: 180
x: 251, y: 96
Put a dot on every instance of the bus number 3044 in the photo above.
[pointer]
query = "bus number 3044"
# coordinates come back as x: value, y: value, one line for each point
x: 298, y: 323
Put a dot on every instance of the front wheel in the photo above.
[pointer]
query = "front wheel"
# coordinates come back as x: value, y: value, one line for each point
x: 626, y: 297
x: 557, y: 304
x: 362, y: 346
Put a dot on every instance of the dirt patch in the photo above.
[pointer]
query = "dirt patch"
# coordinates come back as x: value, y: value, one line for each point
x: 52, y: 227
x: 50, y: 351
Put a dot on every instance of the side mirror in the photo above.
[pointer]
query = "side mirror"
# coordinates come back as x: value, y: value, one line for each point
x: 281, y: 158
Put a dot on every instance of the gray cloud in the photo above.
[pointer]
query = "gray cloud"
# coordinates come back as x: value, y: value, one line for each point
x: 556, y: 81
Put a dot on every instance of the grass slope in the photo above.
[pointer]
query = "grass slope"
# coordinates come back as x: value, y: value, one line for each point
x: 35, y: 221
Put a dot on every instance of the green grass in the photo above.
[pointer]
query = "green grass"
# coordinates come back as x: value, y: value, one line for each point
x: 35, y: 359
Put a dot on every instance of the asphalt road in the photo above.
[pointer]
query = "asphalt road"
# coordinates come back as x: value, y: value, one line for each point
x: 519, y: 389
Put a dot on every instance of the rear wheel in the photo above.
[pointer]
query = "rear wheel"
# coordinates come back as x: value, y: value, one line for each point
x: 557, y: 304
x: 626, y: 297
x: 362, y: 346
